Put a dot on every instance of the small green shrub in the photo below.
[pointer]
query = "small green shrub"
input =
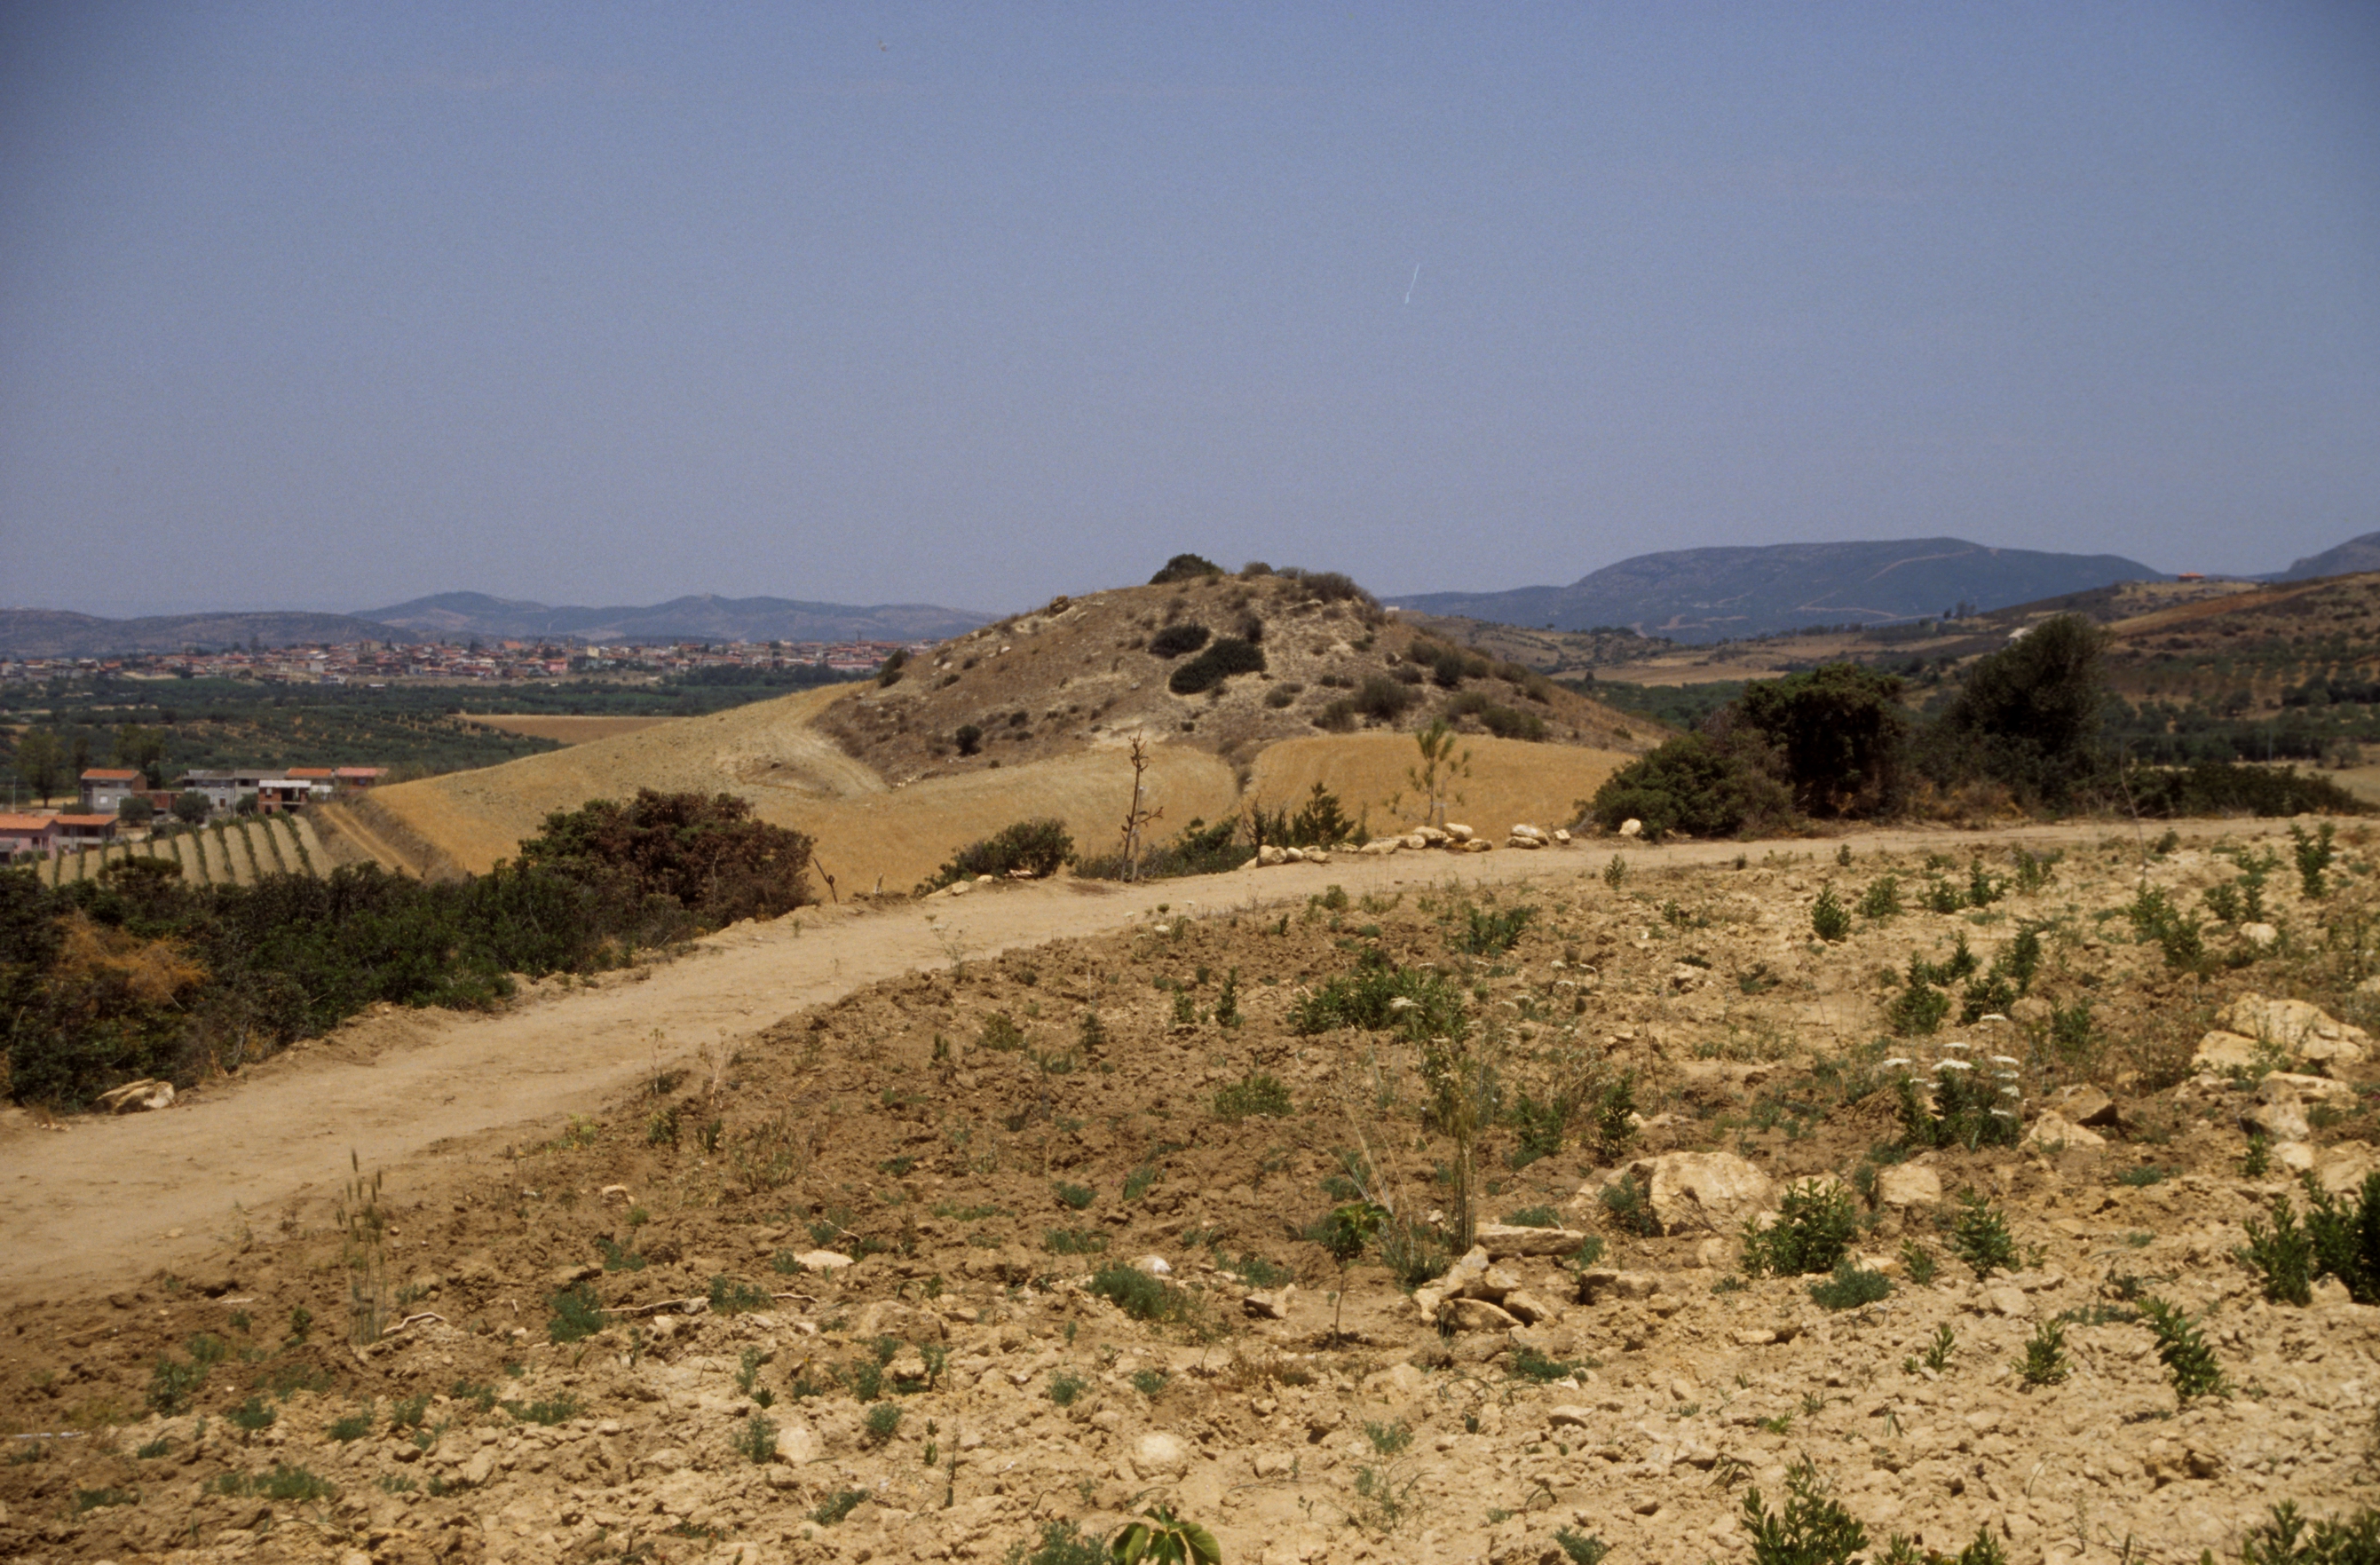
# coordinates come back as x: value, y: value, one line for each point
x: 837, y: 1506
x: 1257, y: 1093
x: 2044, y: 1362
x: 1529, y: 1364
x: 1628, y: 1201
x: 1077, y: 1196
x: 1534, y: 1217
x: 1162, y: 1538
x: 2283, y: 1255
x: 1229, y: 655
x: 1816, y: 1220
x: 1073, y: 1242
x: 2187, y: 1358
x: 1581, y: 1548
x: 1882, y: 898
x: 1830, y: 920
x: 2288, y: 1538
x: 2346, y: 1236
x: 1177, y: 640
x: 1139, y: 1296
x: 1066, y: 1386
x: 883, y: 1421
x: 354, y: 1427
x: 1851, y: 1287
x: 1814, y: 1529
x: 1149, y: 1382
x: 733, y: 1295
x: 548, y: 1414
x: 756, y: 1441
x: 576, y: 1314
x: 1979, y: 1236
x: 1918, y: 1262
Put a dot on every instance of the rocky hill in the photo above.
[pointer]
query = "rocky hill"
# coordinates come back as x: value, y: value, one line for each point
x: 2360, y: 554
x: 1084, y: 671
x: 1698, y: 595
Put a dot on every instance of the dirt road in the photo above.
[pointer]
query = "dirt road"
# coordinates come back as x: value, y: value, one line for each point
x: 104, y: 1201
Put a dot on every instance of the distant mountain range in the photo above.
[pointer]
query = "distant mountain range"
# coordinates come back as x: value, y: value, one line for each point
x: 57, y: 633
x: 1712, y: 594
x: 460, y: 616
x: 705, y: 617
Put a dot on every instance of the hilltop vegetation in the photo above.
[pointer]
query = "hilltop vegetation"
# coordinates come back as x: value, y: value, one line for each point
x: 2025, y: 728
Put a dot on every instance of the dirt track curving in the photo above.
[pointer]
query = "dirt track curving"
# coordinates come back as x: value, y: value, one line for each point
x: 106, y: 1200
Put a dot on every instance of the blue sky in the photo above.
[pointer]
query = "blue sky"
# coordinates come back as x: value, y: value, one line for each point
x: 330, y: 306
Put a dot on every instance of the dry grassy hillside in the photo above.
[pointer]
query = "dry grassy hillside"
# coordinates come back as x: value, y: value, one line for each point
x: 1081, y: 671
x: 872, y: 772
x: 769, y: 754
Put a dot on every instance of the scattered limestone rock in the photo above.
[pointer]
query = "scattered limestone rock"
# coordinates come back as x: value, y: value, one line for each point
x: 133, y: 1097
x: 1477, y: 1315
x: 1904, y: 1185
x: 1631, y: 828
x: 1504, y: 1241
x: 2305, y: 1031
x: 1704, y: 1192
x: 2053, y: 1129
x: 2088, y: 1106
x: 2221, y: 1051
x: 1268, y: 1303
x: 1158, y: 1453
x: 797, y: 1443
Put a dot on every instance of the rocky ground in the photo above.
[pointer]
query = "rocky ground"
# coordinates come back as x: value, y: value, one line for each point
x: 974, y: 1262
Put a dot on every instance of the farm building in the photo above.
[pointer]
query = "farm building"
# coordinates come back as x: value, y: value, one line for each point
x: 27, y: 836
x: 83, y: 830
x: 106, y: 788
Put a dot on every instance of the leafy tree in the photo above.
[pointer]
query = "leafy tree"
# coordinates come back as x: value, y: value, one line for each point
x: 2029, y: 714
x: 135, y: 810
x: 191, y: 807
x: 1841, y: 732
x: 143, y: 749
x: 40, y: 761
x: 706, y: 854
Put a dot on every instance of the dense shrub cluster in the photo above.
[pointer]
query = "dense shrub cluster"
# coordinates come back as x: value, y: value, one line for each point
x: 1185, y: 567
x: 1039, y: 847
x: 1228, y: 656
x: 137, y: 975
x: 1176, y: 639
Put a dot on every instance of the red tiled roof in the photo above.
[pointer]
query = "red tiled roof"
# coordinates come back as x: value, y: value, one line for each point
x: 84, y: 819
x: 108, y: 774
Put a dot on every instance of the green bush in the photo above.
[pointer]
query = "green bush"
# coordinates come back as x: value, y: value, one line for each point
x: 1882, y: 898
x: 2029, y: 715
x: 2288, y: 1538
x: 1693, y: 784
x: 2187, y: 1358
x: 2044, y: 1362
x: 1849, y: 1287
x: 576, y: 1314
x: 1816, y: 1221
x: 2346, y: 1236
x: 1841, y: 733
x: 1139, y: 1296
x: 2227, y: 788
x: 1979, y: 1236
x: 1814, y: 1529
x: 1258, y: 1092
x: 1367, y: 999
x: 1228, y: 656
x: 1175, y: 640
x: 1039, y: 847
x: 1830, y: 920
x: 1185, y: 567
x: 1060, y: 1544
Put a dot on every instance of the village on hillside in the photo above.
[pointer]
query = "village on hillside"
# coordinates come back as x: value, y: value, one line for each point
x: 374, y: 662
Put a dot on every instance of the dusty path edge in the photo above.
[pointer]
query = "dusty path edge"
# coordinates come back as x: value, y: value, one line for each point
x: 200, y: 1183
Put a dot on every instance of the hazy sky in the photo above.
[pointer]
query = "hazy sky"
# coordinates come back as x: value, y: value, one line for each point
x: 326, y: 305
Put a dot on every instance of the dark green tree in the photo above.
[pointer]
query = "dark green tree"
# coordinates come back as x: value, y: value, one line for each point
x: 40, y: 761
x: 2029, y: 715
x: 1841, y: 732
x: 1694, y: 783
